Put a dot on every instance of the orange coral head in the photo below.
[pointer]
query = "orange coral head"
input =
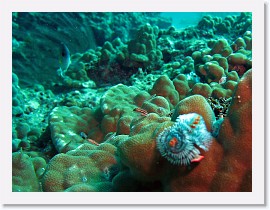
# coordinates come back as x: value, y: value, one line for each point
x: 173, y: 142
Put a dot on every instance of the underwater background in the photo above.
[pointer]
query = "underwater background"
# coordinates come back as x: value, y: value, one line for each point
x: 134, y: 102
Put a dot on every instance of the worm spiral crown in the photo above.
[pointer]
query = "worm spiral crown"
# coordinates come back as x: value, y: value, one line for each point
x: 177, y: 143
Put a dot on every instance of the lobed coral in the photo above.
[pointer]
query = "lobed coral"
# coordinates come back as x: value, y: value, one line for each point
x: 141, y: 143
x: 177, y: 128
x: 28, y: 105
x: 181, y: 84
x: 17, y: 97
x: 143, y: 49
x: 195, y: 104
x: 164, y: 87
x: 117, y: 103
x: 27, y: 172
x: 69, y: 125
x: 87, y: 168
x: 230, y: 24
x: 235, y: 170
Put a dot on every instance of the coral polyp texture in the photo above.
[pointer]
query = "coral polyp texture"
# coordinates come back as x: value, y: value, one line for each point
x: 177, y: 143
x: 139, y: 105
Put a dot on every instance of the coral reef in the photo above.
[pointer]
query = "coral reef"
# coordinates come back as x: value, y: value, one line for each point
x: 143, y: 106
x: 88, y: 168
x: 17, y: 97
x: 28, y: 106
x: 69, y: 125
x: 236, y: 132
x: 164, y: 87
x: 141, y: 143
x: 27, y: 172
x: 37, y: 38
x: 230, y: 24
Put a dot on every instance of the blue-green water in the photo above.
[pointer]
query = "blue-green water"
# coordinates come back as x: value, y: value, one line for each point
x: 186, y: 19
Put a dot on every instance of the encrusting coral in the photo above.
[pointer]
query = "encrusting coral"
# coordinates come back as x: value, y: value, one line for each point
x: 69, y: 125
x: 27, y: 172
x: 141, y: 143
x: 235, y: 170
x: 162, y: 110
x: 155, y: 168
x: 87, y: 168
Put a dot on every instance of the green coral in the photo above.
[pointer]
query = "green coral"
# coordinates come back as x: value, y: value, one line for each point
x: 143, y: 49
x: 86, y: 168
x: 67, y: 125
x: 27, y: 172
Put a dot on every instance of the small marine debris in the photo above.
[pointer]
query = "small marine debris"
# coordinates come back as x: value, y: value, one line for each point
x: 178, y: 143
x: 64, y: 60
x: 222, y: 80
x: 89, y: 84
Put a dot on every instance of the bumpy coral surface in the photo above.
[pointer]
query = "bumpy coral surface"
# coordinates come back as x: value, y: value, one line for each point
x: 27, y: 172
x: 236, y: 132
x: 70, y: 127
x: 142, y: 105
x: 88, y: 168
